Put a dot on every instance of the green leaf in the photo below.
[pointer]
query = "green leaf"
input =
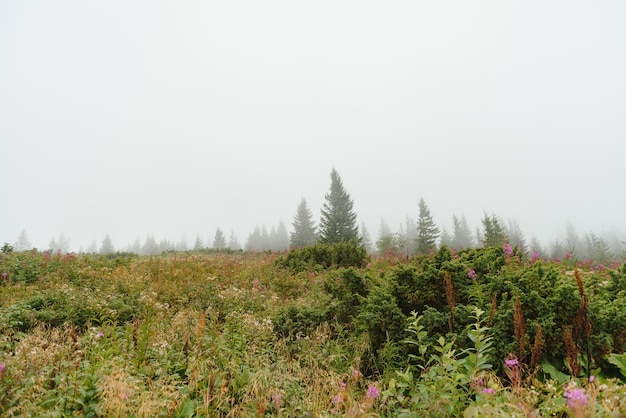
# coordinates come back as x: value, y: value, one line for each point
x: 555, y: 373
x: 618, y: 360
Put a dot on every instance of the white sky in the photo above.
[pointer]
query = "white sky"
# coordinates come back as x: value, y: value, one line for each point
x: 172, y: 118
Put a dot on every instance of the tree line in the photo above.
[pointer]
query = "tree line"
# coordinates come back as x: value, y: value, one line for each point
x: 338, y: 222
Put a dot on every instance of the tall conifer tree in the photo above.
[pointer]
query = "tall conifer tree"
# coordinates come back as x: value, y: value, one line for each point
x: 427, y: 230
x: 493, y: 231
x: 338, y: 222
x: 304, y: 230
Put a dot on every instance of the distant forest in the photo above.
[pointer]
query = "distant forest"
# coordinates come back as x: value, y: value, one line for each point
x: 420, y: 235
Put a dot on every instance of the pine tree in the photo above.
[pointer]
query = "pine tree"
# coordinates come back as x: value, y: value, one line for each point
x: 365, y: 238
x: 573, y: 242
x: 427, y: 230
x: 150, y: 246
x: 219, y: 241
x: 304, y: 231
x: 598, y: 249
x: 536, y: 247
x: 198, y: 245
x: 22, y: 243
x: 515, y: 236
x: 461, y: 233
x: 493, y: 231
x: 338, y: 221
x: 255, y: 240
x: 279, y: 238
x: 445, y: 238
x: 233, y: 242
x: 107, y: 245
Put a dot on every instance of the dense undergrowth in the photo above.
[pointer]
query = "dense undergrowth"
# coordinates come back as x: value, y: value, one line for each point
x: 320, y: 331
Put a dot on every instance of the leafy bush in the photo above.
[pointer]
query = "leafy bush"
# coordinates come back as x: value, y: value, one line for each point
x: 298, y: 321
x: 324, y: 256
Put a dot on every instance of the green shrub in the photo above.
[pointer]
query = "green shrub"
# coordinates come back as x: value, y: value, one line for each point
x: 297, y: 321
x: 324, y: 256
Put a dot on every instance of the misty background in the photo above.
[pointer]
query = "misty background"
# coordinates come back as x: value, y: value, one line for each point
x: 163, y: 119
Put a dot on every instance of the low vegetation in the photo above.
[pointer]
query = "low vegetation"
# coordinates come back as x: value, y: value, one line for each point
x: 320, y: 331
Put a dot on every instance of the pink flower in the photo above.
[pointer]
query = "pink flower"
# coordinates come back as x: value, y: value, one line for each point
x: 535, y: 256
x: 511, y: 361
x: 489, y: 391
x: 472, y: 274
x: 4, y: 275
x: 276, y: 400
x: 337, y: 399
x: 373, y: 392
x: 592, y: 379
x: 356, y: 373
x: 342, y: 386
x: 508, y: 250
x: 575, y: 397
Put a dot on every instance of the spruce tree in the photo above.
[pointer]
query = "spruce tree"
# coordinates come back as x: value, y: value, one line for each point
x: 338, y: 221
x: 304, y: 231
x: 461, y: 233
x: 427, y: 230
x: 219, y: 241
x: 107, y: 245
x: 233, y: 242
x: 493, y: 231
x: 365, y: 238
x: 22, y: 243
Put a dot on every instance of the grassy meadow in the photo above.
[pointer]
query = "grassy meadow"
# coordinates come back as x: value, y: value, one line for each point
x: 319, y: 332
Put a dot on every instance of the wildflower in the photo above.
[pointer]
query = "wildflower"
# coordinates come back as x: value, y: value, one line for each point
x: 489, y: 391
x: 508, y: 250
x: 477, y: 382
x: 592, y: 379
x: 356, y: 373
x: 535, y: 256
x: 337, y: 399
x: 342, y: 386
x: 277, y: 400
x: 3, y: 367
x: 99, y: 334
x: 373, y: 392
x: 575, y: 397
x: 472, y: 274
x: 511, y: 361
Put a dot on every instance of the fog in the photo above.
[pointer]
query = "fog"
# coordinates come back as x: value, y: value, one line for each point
x: 172, y: 119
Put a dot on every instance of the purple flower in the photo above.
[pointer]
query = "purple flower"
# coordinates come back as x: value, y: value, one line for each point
x: 508, y: 250
x: 489, y: 391
x: 511, y: 361
x: 342, y: 386
x: 3, y: 367
x: 535, y: 256
x: 373, y: 392
x: 592, y: 379
x: 472, y: 274
x: 337, y: 399
x: 575, y: 397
